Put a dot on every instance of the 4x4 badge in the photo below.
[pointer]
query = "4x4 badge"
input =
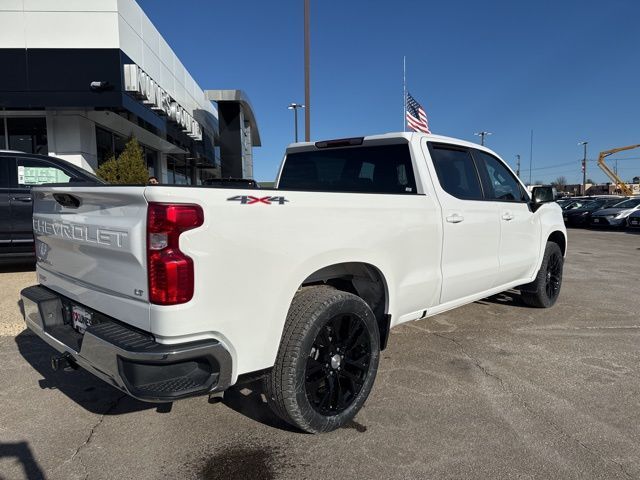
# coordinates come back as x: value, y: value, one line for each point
x: 251, y: 200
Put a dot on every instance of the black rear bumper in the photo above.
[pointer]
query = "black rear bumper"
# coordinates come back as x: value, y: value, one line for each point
x: 128, y: 359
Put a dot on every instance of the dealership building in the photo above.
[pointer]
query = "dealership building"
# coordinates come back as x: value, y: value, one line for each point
x: 80, y: 77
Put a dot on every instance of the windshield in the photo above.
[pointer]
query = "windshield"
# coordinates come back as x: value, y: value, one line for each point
x: 577, y: 204
x: 631, y: 203
x: 593, y: 206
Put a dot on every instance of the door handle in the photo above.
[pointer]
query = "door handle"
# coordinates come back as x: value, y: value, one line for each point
x: 455, y: 218
x: 21, y: 199
x: 507, y: 216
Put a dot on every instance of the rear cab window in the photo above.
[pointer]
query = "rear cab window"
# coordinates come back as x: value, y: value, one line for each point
x: 360, y: 169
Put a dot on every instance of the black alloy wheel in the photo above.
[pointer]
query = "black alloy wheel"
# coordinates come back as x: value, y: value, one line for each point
x: 327, y: 361
x: 545, y: 289
x: 554, y: 275
x: 338, y: 364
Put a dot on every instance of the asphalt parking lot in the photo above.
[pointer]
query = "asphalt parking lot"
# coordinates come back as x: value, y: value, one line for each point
x: 490, y: 390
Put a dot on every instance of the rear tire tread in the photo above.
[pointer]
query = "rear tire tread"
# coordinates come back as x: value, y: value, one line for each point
x: 279, y: 385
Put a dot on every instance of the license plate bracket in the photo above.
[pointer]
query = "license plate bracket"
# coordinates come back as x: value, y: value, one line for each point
x: 81, y: 318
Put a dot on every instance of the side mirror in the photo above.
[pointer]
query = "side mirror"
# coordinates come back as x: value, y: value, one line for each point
x: 540, y: 195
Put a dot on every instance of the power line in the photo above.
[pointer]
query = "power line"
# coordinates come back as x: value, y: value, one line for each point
x: 554, y: 166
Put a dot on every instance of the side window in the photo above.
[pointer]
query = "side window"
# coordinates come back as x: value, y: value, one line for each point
x: 499, y: 182
x: 30, y: 172
x: 4, y: 171
x: 456, y: 171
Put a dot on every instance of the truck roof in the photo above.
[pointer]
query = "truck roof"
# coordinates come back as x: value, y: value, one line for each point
x: 391, y: 137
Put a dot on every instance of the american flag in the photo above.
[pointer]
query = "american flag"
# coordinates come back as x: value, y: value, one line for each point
x: 416, y: 116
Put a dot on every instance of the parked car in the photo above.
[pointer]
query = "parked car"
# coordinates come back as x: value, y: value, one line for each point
x: 576, y: 203
x: 616, y: 215
x: 231, y: 183
x: 567, y: 202
x: 633, y: 221
x: 191, y: 289
x: 581, y: 217
x: 19, y: 172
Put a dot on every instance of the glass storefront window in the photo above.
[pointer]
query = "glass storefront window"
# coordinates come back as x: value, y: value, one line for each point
x: 150, y: 159
x: 109, y: 144
x: 177, y: 170
x: 104, y: 145
x: 118, y: 144
x: 28, y: 134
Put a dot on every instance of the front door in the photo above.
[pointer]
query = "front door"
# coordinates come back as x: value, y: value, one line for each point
x: 519, y: 228
x: 470, y: 224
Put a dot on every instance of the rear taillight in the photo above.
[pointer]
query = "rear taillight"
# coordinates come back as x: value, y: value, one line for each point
x: 170, y: 271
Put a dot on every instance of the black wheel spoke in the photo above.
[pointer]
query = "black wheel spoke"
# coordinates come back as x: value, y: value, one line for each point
x: 326, y: 398
x: 341, y: 396
x: 359, y: 364
x: 355, y: 332
x: 323, y: 337
x: 344, y: 373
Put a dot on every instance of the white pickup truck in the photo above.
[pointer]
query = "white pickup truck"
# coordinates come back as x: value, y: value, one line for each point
x: 172, y: 291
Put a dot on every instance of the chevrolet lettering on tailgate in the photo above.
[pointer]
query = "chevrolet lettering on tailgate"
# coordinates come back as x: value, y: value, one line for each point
x: 80, y: 233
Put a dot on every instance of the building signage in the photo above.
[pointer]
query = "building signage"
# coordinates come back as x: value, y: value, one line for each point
x: 152, y: 94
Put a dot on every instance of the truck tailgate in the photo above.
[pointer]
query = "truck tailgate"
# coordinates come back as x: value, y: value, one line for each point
x: 91, y: 246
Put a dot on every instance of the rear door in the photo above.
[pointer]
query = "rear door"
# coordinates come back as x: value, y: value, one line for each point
x: 26, y: 173
x: 471, y: 224
x: 519, y: 230
x: 5, y: 206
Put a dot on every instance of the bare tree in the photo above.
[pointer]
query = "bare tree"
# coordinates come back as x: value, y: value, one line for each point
x: 560, y: 183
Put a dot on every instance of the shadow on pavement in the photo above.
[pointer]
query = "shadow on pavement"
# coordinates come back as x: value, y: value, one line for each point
x: 510, y: 298
x: 97, y: 396
x: 247, y: 399
x: 79, y: 385
x: 21, y: 452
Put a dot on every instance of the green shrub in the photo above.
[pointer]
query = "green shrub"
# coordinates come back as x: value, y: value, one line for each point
x: 128, y: 169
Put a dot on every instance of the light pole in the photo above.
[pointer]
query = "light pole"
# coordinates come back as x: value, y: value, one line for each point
x: 518, y: 166
x: 584, y: 168
x: 295, y: 107
x: 482, y: 135
x: 307, y: 87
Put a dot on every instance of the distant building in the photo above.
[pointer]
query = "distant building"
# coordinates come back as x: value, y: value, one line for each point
x: 79, y: 78
x: 599, y: 189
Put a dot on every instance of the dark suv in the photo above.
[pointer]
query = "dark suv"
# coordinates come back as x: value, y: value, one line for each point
x: 18, y: 173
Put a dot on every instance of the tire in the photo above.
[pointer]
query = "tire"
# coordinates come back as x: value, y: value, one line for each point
x: 545, y: 289
x: 327, y: 360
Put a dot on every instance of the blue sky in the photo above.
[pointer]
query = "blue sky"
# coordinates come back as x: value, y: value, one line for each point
x: 569, y: 70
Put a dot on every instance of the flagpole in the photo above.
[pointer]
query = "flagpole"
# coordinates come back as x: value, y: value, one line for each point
x: 404, y: 93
